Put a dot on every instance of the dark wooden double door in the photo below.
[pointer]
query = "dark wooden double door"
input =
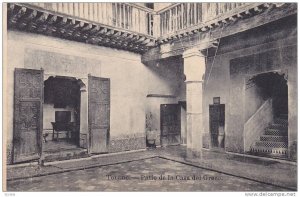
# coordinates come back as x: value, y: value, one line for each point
x: 28, y: 114
x: 170, y: 124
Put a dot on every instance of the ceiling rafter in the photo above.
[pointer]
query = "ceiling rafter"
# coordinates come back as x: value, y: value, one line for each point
x: 34, y: 20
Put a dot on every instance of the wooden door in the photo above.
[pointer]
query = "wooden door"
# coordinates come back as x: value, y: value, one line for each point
x: 170, y: 124
x: 99, y: 114
x: 28, y: 114
x: 216, y: 120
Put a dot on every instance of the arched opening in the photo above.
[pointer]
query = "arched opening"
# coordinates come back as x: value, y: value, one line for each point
x: 268, y: 86
x: 61, y: 113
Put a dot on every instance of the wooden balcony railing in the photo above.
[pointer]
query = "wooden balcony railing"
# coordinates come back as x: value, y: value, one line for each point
x: 177, y: 18
x: 184, y: 15
x: 126, y: 16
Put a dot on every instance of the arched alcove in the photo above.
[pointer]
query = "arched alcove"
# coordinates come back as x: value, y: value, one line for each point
x: 62, y: 104
x: 270, y: 85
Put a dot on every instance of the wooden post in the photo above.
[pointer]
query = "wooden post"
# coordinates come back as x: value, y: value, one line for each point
x: 100, y: 12
x: 138, y: 20
x: 104, y: 15
x: 86, y: 10
x: 170, y: 21
x: 54, y: 6
x: 195, y: 14
x: 65, y: 8
x: 81, y: 10
x: 124, y: 18
x: 90, y: 11
x: 70, y: 8
x: 60, y: 9
x: 95, y: 10
x: 76, y: 12
x: 182, y: 18
x: 109, y: 14
x: 116, y: 14
x: 176, y: 18
x: 161, y: 16
x: 133, y: 19
x: 167, y: 22
x: 188, y: 15
x: 119, y: 14
x: 149, y: 23
x: 129, y: 14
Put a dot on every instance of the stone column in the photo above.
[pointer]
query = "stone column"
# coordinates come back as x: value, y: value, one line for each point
x: 83, y: 117
x: 194, y: 69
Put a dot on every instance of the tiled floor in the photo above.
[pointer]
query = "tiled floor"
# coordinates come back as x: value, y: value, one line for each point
x: 140, y: 176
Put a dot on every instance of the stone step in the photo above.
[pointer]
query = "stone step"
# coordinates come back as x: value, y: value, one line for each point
x: 268, y: 150
x: 277, y: 132
x: 278, y: 126
x: 283, y: 116
x: 270, y: 155
x: 268, y: 144
x: 281, y: 121
x: 273, y: 138
x: 65, y: 155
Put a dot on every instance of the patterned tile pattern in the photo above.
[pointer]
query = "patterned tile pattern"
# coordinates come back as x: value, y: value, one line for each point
x: 127, y: 142
x: 9, y: 153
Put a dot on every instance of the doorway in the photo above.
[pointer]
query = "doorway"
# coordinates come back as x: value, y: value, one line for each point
x: 170, y: 124
x: 61, y: 114
x: 217, y: 124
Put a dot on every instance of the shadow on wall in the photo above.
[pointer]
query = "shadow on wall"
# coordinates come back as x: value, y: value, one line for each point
x: 166, y: 76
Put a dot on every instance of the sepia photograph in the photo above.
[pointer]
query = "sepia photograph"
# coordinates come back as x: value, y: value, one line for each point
x: 150, y: 97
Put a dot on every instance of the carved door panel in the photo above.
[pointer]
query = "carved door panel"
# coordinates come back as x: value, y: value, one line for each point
x: 28, y: 114
x: 99, y: 114
x: 170, y: 124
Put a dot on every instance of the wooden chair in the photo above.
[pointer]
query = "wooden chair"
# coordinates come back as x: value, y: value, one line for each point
x: 61, y: 127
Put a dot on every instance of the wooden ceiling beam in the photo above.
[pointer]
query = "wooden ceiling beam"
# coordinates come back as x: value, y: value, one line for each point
x: 72, y: 27
x: 39, y: 21
x: 17, y: 13
x: 27, y: 18
x: 78, y: 31
x: 271, y: 15
x: 50, y: 28
x: 10, y: 9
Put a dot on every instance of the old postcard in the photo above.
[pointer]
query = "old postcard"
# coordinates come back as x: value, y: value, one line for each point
x: 116, y: 96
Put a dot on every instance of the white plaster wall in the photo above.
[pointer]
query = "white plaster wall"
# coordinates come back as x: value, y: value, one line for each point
x: 219, y: 84
x: 131, y: 81
x: 165, y: 78
x: 129, y: 77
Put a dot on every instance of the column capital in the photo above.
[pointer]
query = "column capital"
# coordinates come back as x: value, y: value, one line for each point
x: 195, y: 51
x: 194, y: 65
